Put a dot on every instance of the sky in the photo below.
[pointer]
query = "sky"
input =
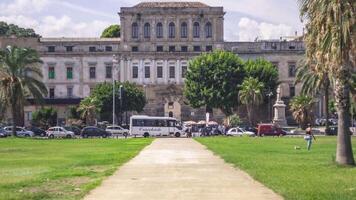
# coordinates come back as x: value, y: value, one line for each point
x: 245, y: 20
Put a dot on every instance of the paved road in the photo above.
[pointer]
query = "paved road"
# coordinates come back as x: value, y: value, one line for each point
x: 182, y: 169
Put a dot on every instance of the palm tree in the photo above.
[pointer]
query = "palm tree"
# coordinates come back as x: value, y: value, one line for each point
x: 251, y: 96
x: 313, y: 81
x: 20, y: 76
x: 330, y: 43
x: 88, y: 109
x: 301, y: 107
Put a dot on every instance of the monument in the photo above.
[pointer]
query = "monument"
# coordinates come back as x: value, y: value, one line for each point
x: 279, y: 110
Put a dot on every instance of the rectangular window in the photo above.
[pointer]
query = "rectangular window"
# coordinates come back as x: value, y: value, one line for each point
x: 291, y: 90
x: 209, y: 48
x: 147, y: 72
x: 51, y: 93
x: 51, y: 73
x: 172, y: 48
x: 184, y: 48
x: 135, y: 49
x: 197, y: 48
x: 69, y: 92
x: 134, y: 72
x: 69, y: 48
x: 159, y: 48
x: 291, y: 69
x: 108, y: 71
x: 69, y: 72
x: 51, y: 48
x: 92, y: 72
x: 184, y: 70
x: 108, y: 48
x: 172, y: 72
x: 92, y: 49
x: 159, y: 72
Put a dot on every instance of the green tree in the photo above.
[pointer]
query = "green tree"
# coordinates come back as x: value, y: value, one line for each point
x: 235, y: 120
x: 251, y: 95
x: 301, y: 107
x: 330, y: 43
x: 133, y: 99
x: 315, y: 80
x: 45, y: 117
x: 11, y: 29
x: 20, y: 76
x: 212, y: 81
x: 264, y: 71
x: 112, y: 31
x: 73, y: 112
x: 88, y: 108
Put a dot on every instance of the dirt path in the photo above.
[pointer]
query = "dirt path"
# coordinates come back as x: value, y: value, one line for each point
x: 179, y: 169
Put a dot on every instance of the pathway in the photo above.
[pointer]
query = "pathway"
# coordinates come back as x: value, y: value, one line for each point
x: 182, y: 169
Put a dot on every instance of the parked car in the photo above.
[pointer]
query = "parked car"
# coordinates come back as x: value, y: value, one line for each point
x: 333, y: 130
x: 239, y: 132
x: 90, y: 131
x: 249, y: 128
x: 74, y: 129
x: 58, y: 131
x: 117, y: 130
x: 37, y: 131
x: 20, y: 132
x: 269, y: 130
x: 2, y: 133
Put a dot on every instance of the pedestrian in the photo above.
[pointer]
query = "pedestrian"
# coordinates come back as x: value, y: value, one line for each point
x: 309, y: 136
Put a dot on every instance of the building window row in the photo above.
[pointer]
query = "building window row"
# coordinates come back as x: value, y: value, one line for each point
x: 92, y: 72
x: 208, y: 29
x: 159, y: 70
x: 160, y: 48
x: 52, y: 49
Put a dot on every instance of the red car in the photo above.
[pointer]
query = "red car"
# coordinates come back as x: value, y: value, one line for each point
x: 269, y: 130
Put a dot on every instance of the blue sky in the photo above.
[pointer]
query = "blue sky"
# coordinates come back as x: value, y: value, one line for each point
x: 245, y: 20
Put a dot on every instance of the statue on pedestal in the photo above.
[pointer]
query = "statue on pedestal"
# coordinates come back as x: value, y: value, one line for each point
x: 279, y: 110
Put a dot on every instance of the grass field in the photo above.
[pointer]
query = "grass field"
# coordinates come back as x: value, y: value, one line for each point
x: 295, y: 174
x: 60, y: 169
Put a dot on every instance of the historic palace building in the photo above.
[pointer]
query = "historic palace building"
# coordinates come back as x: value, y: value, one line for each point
x: 157, y: 41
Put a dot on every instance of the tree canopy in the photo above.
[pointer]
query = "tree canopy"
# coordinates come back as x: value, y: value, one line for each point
x: 12, y: 29
x: 45, y: 117
x: 213, y: 79
x: 113, y: 31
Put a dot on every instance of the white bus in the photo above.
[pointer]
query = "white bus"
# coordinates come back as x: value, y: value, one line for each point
x: 141, y: 125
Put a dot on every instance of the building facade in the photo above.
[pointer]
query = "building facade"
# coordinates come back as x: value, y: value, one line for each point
x: 158, y: 39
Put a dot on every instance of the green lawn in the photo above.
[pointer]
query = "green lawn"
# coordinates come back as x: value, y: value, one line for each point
x: 60, y: 169
x: 295, y: 174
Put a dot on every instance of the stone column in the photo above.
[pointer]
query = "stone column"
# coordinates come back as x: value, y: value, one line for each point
x: 279, y: 110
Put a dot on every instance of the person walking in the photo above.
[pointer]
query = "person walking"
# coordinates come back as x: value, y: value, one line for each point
x: 309, y: 136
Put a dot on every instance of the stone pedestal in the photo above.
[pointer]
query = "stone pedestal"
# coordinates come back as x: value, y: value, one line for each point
x: 279, y: 111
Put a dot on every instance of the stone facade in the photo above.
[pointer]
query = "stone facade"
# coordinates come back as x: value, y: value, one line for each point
x: 157, y: 41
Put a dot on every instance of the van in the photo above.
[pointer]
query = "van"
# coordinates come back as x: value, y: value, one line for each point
x: 269, y: 130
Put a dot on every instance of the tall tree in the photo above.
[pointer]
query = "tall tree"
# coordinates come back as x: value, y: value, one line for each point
x: 20, y: 76
x: 11, y: 29
x: 212, y: 81
x: 313, y: 81
x: 301, y: 107
x: 88, y: 109
x: 251, y: 95
x: 330, y: 43
x: 112, y: 31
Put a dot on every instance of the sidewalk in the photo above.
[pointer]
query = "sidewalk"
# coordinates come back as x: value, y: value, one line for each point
x: 183, y: 169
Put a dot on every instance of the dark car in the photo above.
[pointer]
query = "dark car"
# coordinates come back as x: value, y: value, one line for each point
x: 74, y: 129
x: 91, y: 131
x: 37, y: 131
x: 333, y: 130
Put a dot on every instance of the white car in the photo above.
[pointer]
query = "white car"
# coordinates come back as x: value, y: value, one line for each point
x: 58, y: 131
x: 20, y: 132
x: 117, y: 130
x: 239, y: 132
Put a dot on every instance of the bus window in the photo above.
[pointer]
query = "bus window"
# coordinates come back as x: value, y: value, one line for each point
x: 171, y: 123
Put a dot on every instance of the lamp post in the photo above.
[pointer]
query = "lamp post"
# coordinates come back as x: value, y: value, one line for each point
x: 114, y: 62
x: 269, y: 94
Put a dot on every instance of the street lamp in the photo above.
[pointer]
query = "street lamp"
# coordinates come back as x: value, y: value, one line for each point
x: 114, y: 63
x: 269, y: 94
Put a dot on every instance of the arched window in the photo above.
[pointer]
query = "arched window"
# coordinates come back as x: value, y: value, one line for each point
x: 159, y: 30
x: 171, y: 30
x: 184, y: 30
x: 134, y: 30
x: 208, y: 30
x: 196, y: 30
x: 147, y: 30
x: 170, y: 114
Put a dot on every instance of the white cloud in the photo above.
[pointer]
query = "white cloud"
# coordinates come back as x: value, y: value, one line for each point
x: 249, y: 30
x: 23, y: 7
